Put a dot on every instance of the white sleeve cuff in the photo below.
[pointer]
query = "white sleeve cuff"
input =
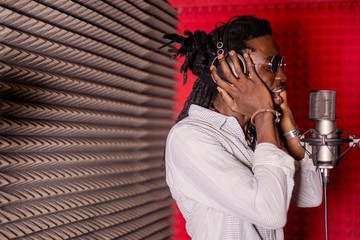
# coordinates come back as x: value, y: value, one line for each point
x: 307, y: 163
x: 269, y: 154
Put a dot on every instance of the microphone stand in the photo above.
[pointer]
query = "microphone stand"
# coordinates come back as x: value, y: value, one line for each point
x: 326, y: 178
x: 322, y: 140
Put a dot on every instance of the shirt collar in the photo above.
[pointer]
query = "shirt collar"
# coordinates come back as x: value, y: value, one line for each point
x: 221, y: 121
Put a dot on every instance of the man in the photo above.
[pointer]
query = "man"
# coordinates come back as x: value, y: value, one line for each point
x: 229, y: 172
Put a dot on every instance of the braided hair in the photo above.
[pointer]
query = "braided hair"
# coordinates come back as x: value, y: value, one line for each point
x: 199, y: 49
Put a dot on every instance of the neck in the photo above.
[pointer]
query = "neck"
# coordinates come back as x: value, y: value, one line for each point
x: 221, y: 107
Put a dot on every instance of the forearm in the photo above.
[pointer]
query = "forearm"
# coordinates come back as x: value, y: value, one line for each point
x: 292, y: 145
x: 266, y: 128
x: 294, y: 148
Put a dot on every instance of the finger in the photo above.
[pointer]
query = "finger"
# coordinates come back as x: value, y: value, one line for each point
x: 284, y: 105
x: 218, y: 80
x: 225, y: 68
x: 237, y: 64
x: 226, y: 97
x: 283, y: 95
x: 251, y: 67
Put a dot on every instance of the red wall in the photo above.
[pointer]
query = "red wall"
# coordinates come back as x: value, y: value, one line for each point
x: 321, y: 42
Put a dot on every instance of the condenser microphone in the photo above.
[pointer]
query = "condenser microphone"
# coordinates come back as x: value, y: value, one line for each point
x: 322, y: 110
x: 325, y: 141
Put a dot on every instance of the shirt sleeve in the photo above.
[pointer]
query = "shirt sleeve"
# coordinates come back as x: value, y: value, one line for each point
x: 201, y: 169
x: 308, y: 184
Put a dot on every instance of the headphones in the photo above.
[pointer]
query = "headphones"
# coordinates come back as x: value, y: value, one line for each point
x: 222, y: 34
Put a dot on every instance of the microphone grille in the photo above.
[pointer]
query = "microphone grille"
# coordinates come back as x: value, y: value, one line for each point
x: 322, y: 105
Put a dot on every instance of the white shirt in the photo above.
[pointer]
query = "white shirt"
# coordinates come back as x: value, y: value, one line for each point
x: 226, y: 191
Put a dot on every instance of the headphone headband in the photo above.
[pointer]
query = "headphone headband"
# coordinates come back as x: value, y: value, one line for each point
x: 222, y: 38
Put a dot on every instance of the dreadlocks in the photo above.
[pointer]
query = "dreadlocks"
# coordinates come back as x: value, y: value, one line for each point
x: 199, y: 51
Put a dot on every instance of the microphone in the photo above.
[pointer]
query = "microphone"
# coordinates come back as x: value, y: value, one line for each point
x: 326, y: 139
x: 323, y: 112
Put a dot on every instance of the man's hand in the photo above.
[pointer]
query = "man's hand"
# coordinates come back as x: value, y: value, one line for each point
x: 245, y: 94
x: 287, y: 124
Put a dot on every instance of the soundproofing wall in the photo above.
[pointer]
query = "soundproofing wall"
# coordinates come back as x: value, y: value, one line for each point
x: 320, y: 40
x: 86, y: 104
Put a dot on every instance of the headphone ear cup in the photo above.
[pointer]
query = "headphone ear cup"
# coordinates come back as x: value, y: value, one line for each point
x: 242, y: 64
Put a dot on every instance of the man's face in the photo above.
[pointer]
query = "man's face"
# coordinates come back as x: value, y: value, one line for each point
x: 264, y: 49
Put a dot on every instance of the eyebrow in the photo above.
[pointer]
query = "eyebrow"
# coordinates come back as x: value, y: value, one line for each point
x: 268, y: 58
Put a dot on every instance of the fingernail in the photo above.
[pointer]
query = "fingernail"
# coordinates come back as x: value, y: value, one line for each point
x: 232, y: 53
x: 213, y: 79
x: 212, y: 67
x: 221, y: 56
x: 246, y: 55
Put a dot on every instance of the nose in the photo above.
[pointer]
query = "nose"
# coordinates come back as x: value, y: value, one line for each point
x: 280, y: 76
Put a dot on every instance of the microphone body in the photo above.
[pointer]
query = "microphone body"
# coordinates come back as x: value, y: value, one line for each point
x: 325, y: 149
x: 325, y: 141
